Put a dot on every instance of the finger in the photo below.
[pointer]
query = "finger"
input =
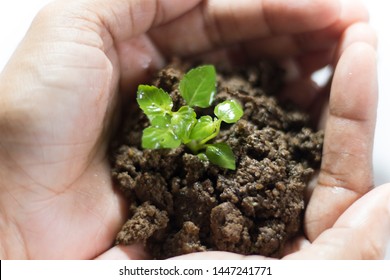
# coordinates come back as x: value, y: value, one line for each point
x: 137, y: 252
x: 209, y: 25
x: 358, y: 32
x: 220, y: 23
x: 351, y: 11
x: 346, y: 170
x: 362, y: 232
x: 111, y: 28
x: 312, y: 49
x: 320, y: 47
x: 123, y: 26
x: 126, y: 19
x: 302, y: 91
x: 212, y: 24
x: 121, y: 252
x: 113, y: 22
x: 218, y: 255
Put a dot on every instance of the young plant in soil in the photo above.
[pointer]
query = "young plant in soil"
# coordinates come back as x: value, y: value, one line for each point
x: 170, y: 129
x: 200, y: 173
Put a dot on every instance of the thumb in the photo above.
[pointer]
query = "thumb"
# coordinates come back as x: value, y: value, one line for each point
x: 346, y: 168
x: 361, y: 232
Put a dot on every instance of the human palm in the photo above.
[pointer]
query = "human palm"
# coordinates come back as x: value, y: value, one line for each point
x: 63, y: 90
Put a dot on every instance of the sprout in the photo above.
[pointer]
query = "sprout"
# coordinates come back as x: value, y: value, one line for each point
x: 170, y: 129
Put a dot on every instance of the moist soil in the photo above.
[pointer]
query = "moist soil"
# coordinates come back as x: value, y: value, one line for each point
x: 179, y: 204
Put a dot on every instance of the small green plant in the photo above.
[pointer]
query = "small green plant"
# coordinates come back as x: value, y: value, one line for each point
x: 170, y: 129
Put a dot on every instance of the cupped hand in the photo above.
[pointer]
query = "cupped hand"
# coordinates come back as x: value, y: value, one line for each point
x: 61, y: 92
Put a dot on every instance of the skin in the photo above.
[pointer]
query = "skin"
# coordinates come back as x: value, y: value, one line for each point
x: 64, y: 86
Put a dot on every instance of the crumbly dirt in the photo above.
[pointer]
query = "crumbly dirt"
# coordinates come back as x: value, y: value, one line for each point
x: 179, y: 204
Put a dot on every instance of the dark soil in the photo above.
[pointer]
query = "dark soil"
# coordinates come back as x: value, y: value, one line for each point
x: 180, y: 204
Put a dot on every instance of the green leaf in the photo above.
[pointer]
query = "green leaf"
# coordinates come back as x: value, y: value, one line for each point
x: 230, y: 111
x: 222, y: 155
x: 161, y: 121
x: 159, y: 137
x: 182, y: 123
x: 154, y: 101
x: 198, y: 86
x: 203, y: 128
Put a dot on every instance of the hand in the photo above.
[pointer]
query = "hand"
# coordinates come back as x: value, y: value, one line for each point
x: 60, y: 95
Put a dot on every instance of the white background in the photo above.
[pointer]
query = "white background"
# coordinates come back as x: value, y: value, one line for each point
x: 194, y: 270
x: 16, y: 16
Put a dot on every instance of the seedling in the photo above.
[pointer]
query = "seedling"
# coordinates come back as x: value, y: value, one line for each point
x: 170, y: 129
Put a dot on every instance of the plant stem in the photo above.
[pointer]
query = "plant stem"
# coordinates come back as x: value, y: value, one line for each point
x: 217, y: 127
x: 194, y: 146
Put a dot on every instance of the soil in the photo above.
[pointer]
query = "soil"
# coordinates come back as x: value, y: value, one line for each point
x: 180, y: 204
